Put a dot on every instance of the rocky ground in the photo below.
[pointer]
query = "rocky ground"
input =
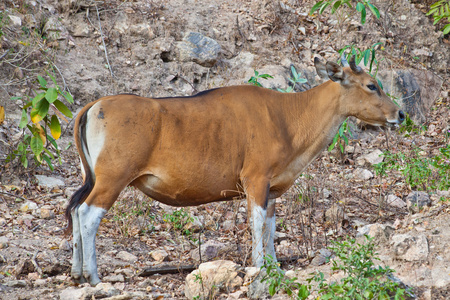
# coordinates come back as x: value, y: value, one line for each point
x: 145, y: 47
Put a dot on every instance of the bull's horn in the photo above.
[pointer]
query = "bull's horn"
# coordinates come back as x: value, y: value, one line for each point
x: 354, y: 67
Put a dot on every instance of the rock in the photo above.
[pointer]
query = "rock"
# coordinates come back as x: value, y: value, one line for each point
x: 49, y: 182
x: 54, y: 29
x: 159, y: 255
x: 374, y: 157
x: 250, y: 274
x: 322, y: 257
x: 28, y: 206
x: 417, y: 90
x: 194, y: 226
x: 46, y: 212
x: 102, y: 290
x: 114, y: 278
x: 416, y: 200
x: 222, y: 274
x: 410, y: 248
x: 362, y: 174
x: 210, y: 249
x: 24, y: 267
x: 16, y: 283
x: 395, y: 201
x: 15, y: 21
x: 4, y: 242
x: 64, y: 245
x: 422, y: 52
x: 335, y: 214
x: 126, y: 256
x: 258, y: 289
x: 198, y: 48
x: 380, y: 232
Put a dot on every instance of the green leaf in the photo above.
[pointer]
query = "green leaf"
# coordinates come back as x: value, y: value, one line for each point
x: 37, y: 98
x: 39, y: 111
x: 68, y: 97
x: 366, y: 57
x: 51, y: 95
x: 37, y: 146
x: 322, y: 9
x: 363, y: 15
x: 63, y: 108
x: 55, y: 127
x: 335, y: 6
x: 374, y: 10
x: 359, y: 6
x: 446, y: 29
x: 42, y: 81
x: 48, y: 161
x: 315, y: 7
x: 24, y: 119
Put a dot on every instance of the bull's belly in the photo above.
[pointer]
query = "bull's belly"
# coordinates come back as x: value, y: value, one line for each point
x: 184, y: 193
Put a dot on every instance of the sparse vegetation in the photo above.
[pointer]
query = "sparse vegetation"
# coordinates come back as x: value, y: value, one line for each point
x: 44, y: 111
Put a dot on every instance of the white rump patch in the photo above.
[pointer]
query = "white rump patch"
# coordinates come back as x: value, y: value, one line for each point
x: 95, y: 137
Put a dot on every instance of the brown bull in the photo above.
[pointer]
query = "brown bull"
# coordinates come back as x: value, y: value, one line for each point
x: 213, y: 146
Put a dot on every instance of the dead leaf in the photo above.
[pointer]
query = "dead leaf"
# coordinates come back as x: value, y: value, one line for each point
x: 2, y: 114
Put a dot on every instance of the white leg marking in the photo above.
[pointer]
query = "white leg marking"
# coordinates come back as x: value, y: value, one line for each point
x: 257, y: 220
x: 269, y: 232
x: 77, y: 259
x: 90, y: 217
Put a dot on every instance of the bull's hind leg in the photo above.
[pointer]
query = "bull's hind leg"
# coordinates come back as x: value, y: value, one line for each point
x: 269, y: 230
x: 77, y: 259
x: 90, y: 214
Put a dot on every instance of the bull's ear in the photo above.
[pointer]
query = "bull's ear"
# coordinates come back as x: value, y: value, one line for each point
x: 321, y: 69
x: 336, y: 73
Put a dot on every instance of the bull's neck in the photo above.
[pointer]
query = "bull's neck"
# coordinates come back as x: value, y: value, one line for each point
x: 316, y: 116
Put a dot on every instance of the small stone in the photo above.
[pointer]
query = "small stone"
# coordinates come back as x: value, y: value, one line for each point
x: 49, y: 182
x: 395, y: 201
x: 16, y: 283
x: 28, y: 206
x: 4, y: 242
x: 374, y: 157
x: 159, y: 255
x: 64, y: 245
x: 15, y: 21
x: 199, y: 49
x: 40, y: 282
x: 114, y: 278
x: 417, y: 200
x: 302, y: 30
x: 410, y: 248
x: 126, y: 256
x: 33, y: 276
x: 47, y: 213
x: 380, y: 232
x: 362, y: 174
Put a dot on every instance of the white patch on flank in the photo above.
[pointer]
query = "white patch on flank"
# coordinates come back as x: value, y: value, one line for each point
x: 83, y: 172
x: 90, y: 218
x: 95, y: 136
x: 257, y: 220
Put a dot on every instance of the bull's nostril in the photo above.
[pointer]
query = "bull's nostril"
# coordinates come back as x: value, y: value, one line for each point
x: 401, y: 116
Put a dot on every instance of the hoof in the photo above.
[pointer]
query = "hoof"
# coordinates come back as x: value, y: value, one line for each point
x: 92, y: 279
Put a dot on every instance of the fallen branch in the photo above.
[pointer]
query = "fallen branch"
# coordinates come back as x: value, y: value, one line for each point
x: 169, y: 269
x: 35, y: 264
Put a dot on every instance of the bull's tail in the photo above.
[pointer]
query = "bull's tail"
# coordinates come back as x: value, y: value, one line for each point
x: 83, y: 192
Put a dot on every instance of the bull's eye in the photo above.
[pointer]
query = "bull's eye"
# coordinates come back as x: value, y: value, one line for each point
x: 372, y: 87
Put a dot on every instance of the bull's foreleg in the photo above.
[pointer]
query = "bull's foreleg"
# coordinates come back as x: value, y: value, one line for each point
x: 269, y: 230
x: 257, y: 199
x: 90, y: 218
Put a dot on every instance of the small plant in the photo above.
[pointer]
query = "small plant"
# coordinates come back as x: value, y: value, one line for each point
x: 441, y: 11
x: 368, y: 56
x: 254, y: 79
x: 363, y: 280
x: 420, y: 173
x: 38, y: 141
x: 409, y: 126
x: 341, y: 138
x: 337, y: 4
x: 294, y: 80
x: 178, y: 219
x: 277, y: 280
